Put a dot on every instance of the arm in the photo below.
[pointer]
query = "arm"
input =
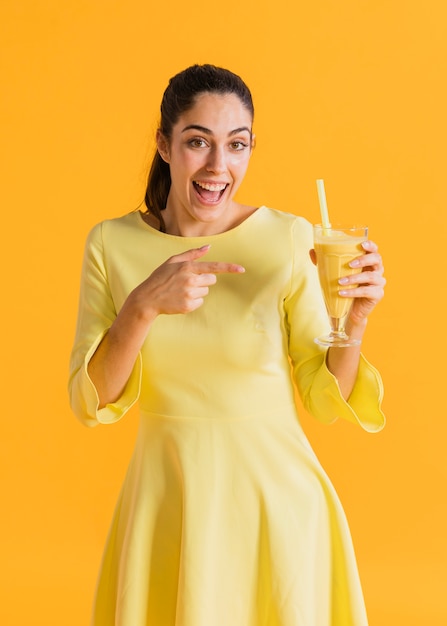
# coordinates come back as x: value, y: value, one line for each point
x: 337, y: 383
x: 178, y: 286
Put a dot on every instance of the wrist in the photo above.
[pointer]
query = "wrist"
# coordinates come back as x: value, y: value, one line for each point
x: 135, y: 313
x: 356, y: 330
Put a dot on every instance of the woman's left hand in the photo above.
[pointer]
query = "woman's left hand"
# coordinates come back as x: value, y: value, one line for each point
x: 370, y: 283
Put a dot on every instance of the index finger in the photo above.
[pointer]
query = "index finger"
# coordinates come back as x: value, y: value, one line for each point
x: 370, y: 246
x: 372, y: 258
x: 217, y: 267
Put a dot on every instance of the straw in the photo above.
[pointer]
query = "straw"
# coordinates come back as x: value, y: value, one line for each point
x: 323, y: 206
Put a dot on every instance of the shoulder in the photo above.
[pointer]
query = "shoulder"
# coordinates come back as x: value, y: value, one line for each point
x: 285, y: 217
x: 129, y: 221
x: 297, y: 226
x: 113, y: 228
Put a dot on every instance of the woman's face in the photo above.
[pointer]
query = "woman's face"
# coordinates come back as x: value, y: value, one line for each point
x: 208, y: 155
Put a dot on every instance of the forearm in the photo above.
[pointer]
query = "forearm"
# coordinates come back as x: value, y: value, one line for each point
x: 343, y: 363
x: 112, y: 364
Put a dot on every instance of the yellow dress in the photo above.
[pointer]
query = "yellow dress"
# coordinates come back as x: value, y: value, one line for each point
x: 225, y: 517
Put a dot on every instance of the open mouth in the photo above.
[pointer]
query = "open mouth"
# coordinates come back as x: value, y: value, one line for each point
x: 210, y: 192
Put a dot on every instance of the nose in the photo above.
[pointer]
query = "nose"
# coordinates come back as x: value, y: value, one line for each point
x: 216, y: 161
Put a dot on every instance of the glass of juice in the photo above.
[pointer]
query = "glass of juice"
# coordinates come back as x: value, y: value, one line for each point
x: 335, y: 247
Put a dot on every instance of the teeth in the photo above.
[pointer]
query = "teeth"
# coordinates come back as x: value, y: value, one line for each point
x: 210, y: 186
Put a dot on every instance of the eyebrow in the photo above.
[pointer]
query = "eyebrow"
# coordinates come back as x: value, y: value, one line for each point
x: 207, y: 131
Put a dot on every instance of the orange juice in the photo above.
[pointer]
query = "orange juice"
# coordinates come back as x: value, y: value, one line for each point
x: 335, y: 248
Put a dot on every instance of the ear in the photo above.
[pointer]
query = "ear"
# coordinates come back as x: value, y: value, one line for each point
x: 162, y: 146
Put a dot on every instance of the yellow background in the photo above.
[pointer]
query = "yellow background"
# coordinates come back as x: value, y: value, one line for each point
x: 352, y: 91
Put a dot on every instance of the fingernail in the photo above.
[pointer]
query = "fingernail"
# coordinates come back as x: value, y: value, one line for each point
x: 343, y: 292
x: 343, y: 280
x: 354, y: 263
x: 208, y: 245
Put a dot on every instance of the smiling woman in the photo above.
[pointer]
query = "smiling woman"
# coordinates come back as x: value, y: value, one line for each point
x: 195, y: 305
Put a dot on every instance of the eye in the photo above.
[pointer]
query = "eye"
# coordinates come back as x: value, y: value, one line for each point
x: 197, y: 142
x: 238, y: 145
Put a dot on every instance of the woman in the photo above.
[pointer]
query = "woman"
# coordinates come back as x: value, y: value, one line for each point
x: 196, y: 305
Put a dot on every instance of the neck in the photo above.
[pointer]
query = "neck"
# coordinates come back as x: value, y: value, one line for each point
x: 189, y: 227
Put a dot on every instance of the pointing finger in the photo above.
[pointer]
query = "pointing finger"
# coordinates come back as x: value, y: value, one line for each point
x: 217, y: 267
x: 189, y: 255
x: 205, y: 267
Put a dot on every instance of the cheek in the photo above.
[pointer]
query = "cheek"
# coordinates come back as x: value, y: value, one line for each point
x: 181, y: 166
x: 240, y: 166
x: 190, y: 163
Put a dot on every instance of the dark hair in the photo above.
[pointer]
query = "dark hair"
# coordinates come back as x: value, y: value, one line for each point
x: 180, y: 96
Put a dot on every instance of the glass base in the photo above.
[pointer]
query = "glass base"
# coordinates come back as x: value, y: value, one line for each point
x: 337, y: 340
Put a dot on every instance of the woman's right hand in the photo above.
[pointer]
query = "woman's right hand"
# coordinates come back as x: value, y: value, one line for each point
x: 180, y: 284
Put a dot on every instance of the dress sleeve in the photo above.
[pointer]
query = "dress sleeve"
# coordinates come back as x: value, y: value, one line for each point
x: 95, y: 316
x: 306, y: 319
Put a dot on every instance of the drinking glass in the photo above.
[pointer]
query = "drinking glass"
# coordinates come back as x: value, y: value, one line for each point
x: 335, y: 247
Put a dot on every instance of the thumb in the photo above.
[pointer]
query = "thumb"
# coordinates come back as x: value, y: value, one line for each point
x: 189, y: 255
